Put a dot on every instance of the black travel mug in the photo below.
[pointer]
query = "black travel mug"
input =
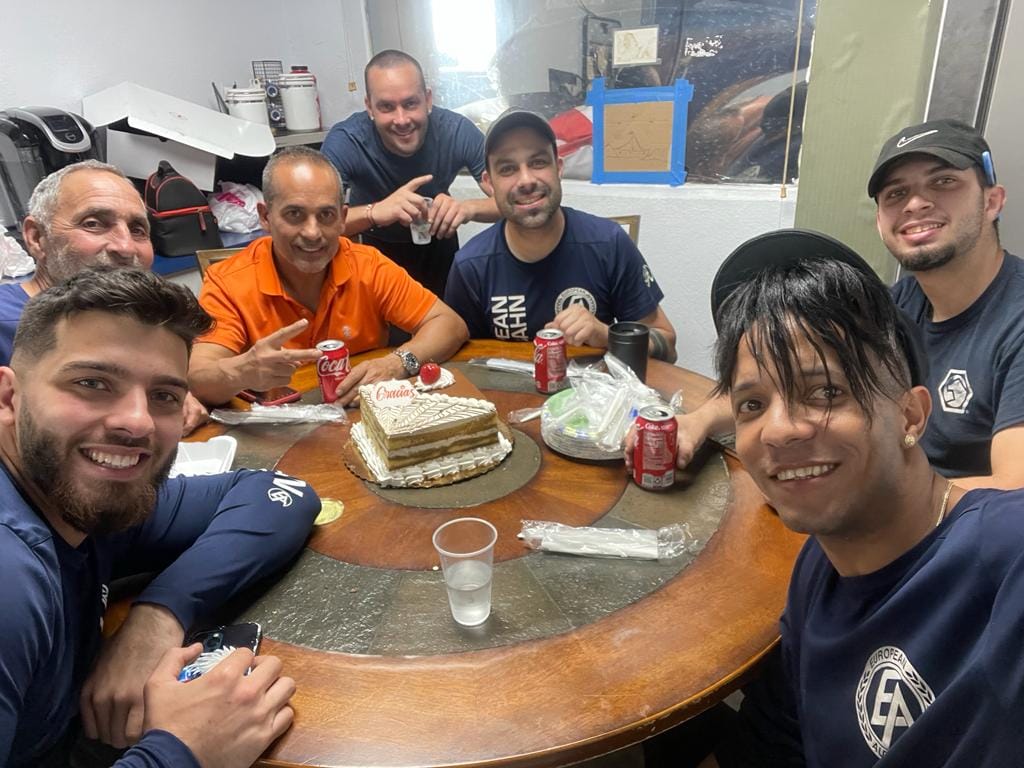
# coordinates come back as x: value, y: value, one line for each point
x: 628, y: 342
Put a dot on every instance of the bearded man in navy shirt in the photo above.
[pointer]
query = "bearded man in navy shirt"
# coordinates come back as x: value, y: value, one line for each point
x: 90, y: 414
x: 546, y: 265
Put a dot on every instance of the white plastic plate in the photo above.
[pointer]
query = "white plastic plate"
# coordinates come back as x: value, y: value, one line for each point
x: 208, y: 458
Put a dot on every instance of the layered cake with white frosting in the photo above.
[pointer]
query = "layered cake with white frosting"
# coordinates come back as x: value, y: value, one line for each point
x: 416, y: 439
x: 425, y: 426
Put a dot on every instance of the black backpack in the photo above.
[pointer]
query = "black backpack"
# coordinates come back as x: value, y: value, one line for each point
x: 180, y: 218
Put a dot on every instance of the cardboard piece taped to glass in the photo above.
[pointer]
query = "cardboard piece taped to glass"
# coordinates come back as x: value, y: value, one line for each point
x: 418, y: 424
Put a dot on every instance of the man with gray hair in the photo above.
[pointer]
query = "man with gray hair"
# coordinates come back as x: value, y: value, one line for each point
x: 306, y: 283
x: 85, y: 215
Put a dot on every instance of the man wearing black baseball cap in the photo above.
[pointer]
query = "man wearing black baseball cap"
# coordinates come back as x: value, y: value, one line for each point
x: 546, y: 265
x: 900, y: 635
x: 938, y: 203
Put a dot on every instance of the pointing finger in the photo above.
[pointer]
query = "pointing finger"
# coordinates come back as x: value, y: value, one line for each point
x: 280, y: 336
x: 418, y: 182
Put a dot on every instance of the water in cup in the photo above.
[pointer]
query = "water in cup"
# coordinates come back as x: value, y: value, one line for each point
x: 466, y: 548
x: 469, y: 592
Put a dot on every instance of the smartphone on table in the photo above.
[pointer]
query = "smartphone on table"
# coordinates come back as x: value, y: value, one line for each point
x: 218, y: 644
x: 272, y: 396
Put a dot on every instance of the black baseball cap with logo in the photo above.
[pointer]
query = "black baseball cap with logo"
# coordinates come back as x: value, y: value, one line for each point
x: 515, y: 117
x: 954, y: 142
x: 788, y: 247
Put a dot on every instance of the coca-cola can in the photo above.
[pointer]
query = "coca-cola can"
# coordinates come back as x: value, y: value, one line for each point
x: 549, y: 360
x: 654, y: 456
x: 332, y: 367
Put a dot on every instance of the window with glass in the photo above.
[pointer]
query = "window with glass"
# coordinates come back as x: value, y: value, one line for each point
x: 483, y: 56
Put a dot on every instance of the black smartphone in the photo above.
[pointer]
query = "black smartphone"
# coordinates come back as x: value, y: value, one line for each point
x: 219, y: 643
x: 272, y: 396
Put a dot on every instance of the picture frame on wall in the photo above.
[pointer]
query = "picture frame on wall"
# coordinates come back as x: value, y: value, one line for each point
x: 598, y: 47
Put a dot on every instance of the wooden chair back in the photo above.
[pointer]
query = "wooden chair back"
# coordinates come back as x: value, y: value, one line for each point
x: 211, y: 256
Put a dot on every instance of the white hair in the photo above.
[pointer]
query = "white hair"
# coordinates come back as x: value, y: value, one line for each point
x: 43, y: 202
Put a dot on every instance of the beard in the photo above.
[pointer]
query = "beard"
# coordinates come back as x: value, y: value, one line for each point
x: 63, y: 262
x: 925, y: 259
x: 93, y: 508
x: 965, y: 238
x: 538, y: 217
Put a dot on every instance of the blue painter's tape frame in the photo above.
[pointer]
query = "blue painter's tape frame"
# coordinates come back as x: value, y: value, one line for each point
x: 680, y: 94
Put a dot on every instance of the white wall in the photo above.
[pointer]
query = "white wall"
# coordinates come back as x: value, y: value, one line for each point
x: 57, y: 51
x: 685, y: 234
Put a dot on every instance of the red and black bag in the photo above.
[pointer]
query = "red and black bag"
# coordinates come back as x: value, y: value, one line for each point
x: 180, y: 218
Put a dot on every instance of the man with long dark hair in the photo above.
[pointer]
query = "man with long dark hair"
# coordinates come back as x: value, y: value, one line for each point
x: 901, y: 633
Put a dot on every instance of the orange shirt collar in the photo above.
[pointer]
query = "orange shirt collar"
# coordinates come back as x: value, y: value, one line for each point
x: 268, y: 281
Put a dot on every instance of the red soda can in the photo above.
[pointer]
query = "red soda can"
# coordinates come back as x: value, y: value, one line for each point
x: 549, y: 360
x: 332, y: 367
x: 654, y: 457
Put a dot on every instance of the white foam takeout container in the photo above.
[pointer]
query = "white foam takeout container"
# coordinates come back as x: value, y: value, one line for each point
x: 207, y: 458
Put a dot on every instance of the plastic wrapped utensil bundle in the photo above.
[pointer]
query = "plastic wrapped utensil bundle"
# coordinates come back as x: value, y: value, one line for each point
x: 590, y: 420
x: 639, y: 544
x: 290, y: 413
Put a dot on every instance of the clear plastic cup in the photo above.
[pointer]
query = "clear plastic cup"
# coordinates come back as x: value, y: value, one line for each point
x: 420, y: 228
x: 466, y: 547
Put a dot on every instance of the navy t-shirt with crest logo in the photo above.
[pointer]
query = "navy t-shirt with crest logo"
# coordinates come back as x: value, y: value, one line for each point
x: 595, y: 265
x: 976, y: 370
x: 916, y: 664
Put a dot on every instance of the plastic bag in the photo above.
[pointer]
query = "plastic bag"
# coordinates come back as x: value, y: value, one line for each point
x: 281, y: 414
x: 590, y: 421
x: 14, y: 261
x: 235, y: 207
x: 638, y: 544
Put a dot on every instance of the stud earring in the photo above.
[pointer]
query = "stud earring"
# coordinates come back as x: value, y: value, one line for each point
x: 909, y: 441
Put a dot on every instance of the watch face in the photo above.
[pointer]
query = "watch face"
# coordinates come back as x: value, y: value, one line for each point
x: 409, y: 361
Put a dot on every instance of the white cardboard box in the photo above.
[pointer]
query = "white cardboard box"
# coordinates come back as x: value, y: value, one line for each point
x: 189, y: 136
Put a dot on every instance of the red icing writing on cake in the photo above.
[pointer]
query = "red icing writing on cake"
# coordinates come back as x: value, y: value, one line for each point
x: 388, y: 393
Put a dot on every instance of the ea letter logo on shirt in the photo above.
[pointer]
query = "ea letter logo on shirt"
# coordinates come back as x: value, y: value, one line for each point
x: 955, y: 391
x: 576, y: 295
x: 284, y: 488
x: 891, y: 695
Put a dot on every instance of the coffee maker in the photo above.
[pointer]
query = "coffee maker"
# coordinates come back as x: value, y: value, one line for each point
x: 34, y: 142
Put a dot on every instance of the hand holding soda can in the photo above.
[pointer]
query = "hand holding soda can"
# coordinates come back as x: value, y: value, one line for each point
x: 332, y: 368
x: 654, y: 455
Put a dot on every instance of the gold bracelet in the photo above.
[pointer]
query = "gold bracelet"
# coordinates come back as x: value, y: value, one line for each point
x: 369, y: 216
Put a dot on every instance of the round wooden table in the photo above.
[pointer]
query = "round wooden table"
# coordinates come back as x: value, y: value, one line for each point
x: 385, y: 678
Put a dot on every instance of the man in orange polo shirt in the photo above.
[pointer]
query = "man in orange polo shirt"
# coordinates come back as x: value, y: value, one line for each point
x: 277, y: 299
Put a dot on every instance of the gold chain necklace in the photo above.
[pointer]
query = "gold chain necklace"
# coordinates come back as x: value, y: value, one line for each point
x: 945, y: 502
